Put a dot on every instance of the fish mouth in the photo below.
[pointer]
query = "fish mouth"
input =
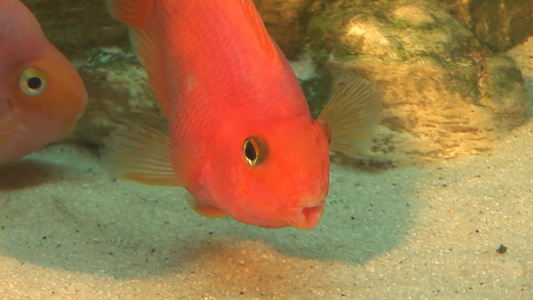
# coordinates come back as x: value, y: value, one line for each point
x: 307, y: 217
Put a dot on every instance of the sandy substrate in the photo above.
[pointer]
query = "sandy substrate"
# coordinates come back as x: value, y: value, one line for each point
x: 69, y: 231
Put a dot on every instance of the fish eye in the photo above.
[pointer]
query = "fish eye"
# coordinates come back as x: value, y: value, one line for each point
x: 32, y: 81
x: 254, y: 150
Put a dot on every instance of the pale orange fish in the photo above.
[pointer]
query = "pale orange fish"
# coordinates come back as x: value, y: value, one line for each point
x: 241, y: 139
x: 41, y: 93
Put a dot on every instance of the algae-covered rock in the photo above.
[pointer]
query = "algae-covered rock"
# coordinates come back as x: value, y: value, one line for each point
x: 445, y: 95
x: 499, y: 24
x: 286, y: 21
x: 74, y: 26
x: 118, y: 91
x: 505, y: 94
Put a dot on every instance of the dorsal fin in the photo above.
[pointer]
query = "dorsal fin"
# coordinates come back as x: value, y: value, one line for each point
x: 139, y: 15
x: 134, y: 13
x: 353, y: 112
x: 259, y: 28
x: 152, y: 59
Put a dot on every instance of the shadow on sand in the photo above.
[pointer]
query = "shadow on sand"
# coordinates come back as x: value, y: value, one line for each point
x: 82, y: 221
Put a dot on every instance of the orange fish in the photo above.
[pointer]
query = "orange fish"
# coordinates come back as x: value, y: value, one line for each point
x: 241, y: 139
x: 41, y: 94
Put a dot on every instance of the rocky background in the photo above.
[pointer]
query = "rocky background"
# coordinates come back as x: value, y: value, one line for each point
x: 450, y: 88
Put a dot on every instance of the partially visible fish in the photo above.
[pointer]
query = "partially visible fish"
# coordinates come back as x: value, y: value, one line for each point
x: 41, y: 93
x: 241, y: 139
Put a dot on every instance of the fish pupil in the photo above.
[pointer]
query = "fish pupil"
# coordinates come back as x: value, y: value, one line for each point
x: 34, y: 83
x: 249, y: 151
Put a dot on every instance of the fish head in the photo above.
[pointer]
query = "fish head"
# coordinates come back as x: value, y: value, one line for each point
x: 48, y: 95
x: 275, y: 175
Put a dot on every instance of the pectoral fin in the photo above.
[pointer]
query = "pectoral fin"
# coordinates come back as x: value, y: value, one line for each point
x: 140, y: 16
x: 146, y: 155
x: 10, y: 129
x: 352, y: 114
x: 203, y: 209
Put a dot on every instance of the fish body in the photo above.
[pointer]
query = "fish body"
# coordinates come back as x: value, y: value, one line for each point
x: 241, y: 138
x: 41, y: 94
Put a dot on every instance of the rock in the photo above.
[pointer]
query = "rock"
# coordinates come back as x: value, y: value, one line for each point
x: 118, y: 91
x: 286, y: 21
x: 505, y: 94
x: 445, y: 95
x: 499, y: 24
x: 523, y: 55
x: 74, y: 26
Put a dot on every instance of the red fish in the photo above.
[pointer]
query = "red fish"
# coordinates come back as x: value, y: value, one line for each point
x: 41, y: 94
x: 241, y: 139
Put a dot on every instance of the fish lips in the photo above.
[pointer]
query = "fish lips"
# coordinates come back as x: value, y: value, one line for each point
x: 301, y: 216
x: 305, y: 217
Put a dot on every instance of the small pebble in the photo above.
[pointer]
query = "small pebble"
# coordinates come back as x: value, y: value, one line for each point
x: 502, y: 249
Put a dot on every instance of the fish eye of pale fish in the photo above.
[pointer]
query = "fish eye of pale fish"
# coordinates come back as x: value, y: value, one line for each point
x: 32, y: 81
